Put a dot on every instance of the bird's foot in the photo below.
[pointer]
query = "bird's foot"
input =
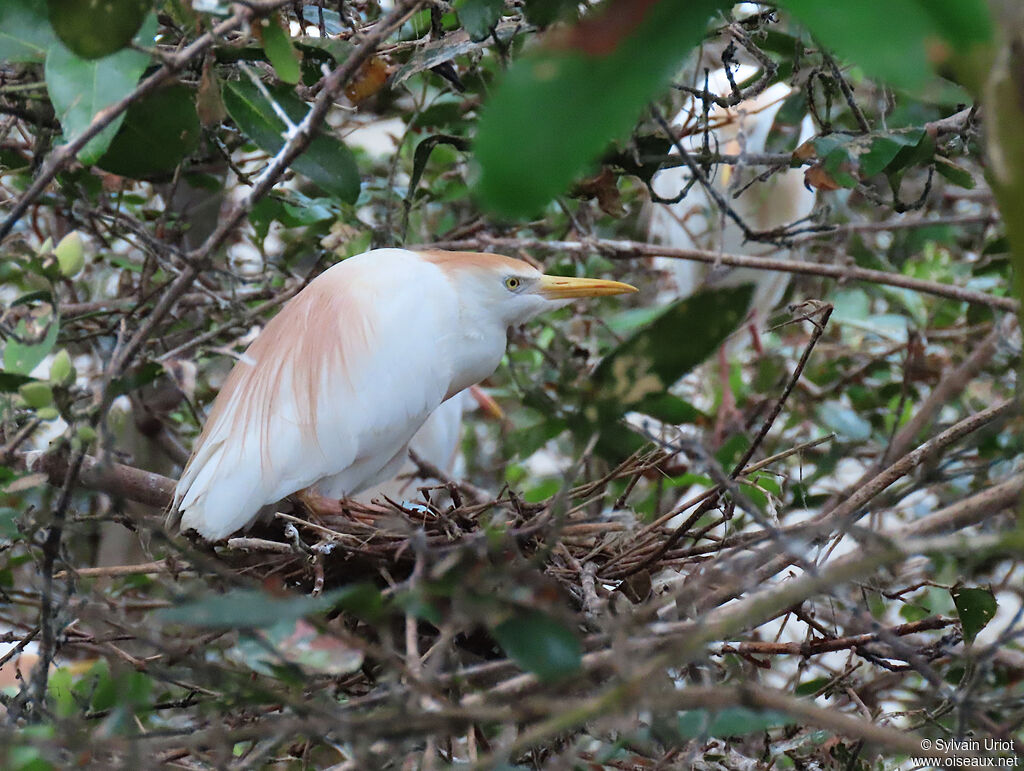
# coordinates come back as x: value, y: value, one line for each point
x: 318, y: 506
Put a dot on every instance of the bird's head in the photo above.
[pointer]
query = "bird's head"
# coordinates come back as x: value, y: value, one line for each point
x: 514, y: 291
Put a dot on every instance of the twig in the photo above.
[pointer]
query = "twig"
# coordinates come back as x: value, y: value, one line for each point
x: 828, y: 644
x: 631, y: 250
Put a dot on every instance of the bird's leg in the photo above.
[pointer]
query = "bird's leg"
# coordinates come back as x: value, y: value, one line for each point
x: 755, y: 338
x: 318, y: 506
x: 728, y: 413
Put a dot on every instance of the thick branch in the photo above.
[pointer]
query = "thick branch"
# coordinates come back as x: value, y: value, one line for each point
x: 114, y: 479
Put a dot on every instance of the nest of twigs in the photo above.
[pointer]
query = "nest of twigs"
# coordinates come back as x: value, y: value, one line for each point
x: 317, y: 551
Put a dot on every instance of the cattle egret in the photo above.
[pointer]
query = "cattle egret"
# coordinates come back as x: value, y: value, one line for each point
x: 328, y: 396
x: 696, y: 223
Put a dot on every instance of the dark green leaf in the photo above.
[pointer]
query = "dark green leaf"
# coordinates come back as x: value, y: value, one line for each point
x: 884, y: 148
x: 159, y: 131
x: 25, y: 32
x: 975, y: 607
x: 540, y: 644
x: 333, y: 49
x: 557, y: 109
x: 545, y: 12
x: 11, y: 382
x: 809, y: 687
x: 422, y: 155
x: 11, y: 159
x: 93, y: 29
x: 669, y: 408
x: 332, y: 23
x: 638, y: 372
x: 79, y: 89
x: 250, y: 609
x: 278, y: 47
x: 479, y: 16
x: 326, y: 161
x: 137, y: 378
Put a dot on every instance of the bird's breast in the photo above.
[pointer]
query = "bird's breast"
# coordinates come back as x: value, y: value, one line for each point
x: 475, y: 353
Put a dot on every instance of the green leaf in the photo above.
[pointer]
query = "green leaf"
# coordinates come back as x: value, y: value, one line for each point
x: 557, y: 109
x: 36, y: 394
x: 70, y: 254
x: 25, y: 32
x: 21, y: 358
x: 545, y: 12
x: 540, y: 644
x: 809, y: 687
x: 60, y: 694
x: 326, y: 161
x: 158, y: 133
x: 93, y: 29
x: 975, y: 607
x: 479, y: 16
x: 79, y: 89
x: 279, y: 49
x: 893, y: 50
x: 896, y: 50
x: 731, y: 721
x: 961, y: 22
x: 958, y: 175
x: 251, y: 609
x: 669, y: 408
x: 884, y: 148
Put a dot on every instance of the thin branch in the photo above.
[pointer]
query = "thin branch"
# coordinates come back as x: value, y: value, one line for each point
x: 633, y: 250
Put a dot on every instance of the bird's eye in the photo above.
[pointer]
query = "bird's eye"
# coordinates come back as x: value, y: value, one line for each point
x: 512, y: 283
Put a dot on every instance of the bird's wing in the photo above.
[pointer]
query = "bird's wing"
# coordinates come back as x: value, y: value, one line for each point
x: 326, y: 390
x: 437, y: 442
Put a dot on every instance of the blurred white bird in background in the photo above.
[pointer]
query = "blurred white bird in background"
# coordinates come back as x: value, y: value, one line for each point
x: 695, y: 222
x: 326, y: 399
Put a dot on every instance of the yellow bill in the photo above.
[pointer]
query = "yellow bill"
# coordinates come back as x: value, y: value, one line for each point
x: 568, y: 288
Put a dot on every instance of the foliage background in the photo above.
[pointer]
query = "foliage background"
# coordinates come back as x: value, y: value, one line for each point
x: 824, y: 583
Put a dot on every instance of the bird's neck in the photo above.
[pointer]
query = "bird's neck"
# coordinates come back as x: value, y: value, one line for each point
x: 478, y: 350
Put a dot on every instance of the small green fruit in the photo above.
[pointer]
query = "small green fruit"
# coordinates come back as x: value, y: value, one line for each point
x: 47, y: 413
x: 36, y: 394
x: 86, y: 433
x: 96, y: 29
x: 70, y: 254
x: 62, y: 372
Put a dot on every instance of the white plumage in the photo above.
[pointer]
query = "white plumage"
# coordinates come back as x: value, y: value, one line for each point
x: 331, y: 392
x: 696, y: 222
x: 437, y: 442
